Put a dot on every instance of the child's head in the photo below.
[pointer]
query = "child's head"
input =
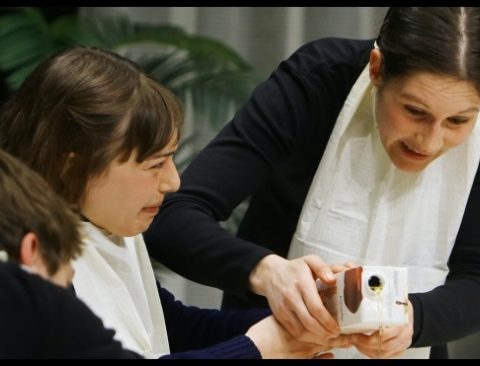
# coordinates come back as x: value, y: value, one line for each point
x: 37, y: 228
x: 80, y: 116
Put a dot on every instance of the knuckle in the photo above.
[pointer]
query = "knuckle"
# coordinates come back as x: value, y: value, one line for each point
x: 295, y: 331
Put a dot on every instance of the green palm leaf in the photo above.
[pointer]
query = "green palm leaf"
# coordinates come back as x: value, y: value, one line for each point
x: 25, y: 40
x: 216, y: 76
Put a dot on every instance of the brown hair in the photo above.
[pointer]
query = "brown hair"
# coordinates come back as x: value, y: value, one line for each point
x: 440, y: 40
x: 92, y: 103
x: 28, y: 204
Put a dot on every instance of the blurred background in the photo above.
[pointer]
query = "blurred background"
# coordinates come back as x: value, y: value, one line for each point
x: 212, y: 57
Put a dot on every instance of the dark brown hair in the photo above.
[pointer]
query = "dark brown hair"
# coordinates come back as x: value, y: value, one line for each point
x: 92, y: 103
x: 440, y: 40
x: 28, y: 204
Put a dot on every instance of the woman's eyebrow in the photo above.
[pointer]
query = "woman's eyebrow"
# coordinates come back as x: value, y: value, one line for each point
x: 417, y: 100
x: 163, y: 154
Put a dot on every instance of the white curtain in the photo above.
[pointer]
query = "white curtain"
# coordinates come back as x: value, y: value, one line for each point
x: 264, y: 36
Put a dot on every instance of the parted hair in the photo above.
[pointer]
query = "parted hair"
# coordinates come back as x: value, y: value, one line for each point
x: 439, y: 40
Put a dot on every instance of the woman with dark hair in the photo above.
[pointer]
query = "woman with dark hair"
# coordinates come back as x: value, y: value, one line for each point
x: 102, y: 133
x: 351, y: 151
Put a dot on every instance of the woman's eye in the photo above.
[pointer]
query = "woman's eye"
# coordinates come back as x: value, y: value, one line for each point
x: 458, y: 120
x: 414, y: 111
x: 159, y: 165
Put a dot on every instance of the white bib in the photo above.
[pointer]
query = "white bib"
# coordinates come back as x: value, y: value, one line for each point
x: 114, y: 277
x: 361, y: 208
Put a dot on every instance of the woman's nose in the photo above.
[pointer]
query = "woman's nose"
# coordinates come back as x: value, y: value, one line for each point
x: 431, y: 138
x: 170, y: 181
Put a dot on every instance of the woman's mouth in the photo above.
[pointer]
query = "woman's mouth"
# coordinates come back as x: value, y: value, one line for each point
x: 151, y: 209
x: 413, y: 152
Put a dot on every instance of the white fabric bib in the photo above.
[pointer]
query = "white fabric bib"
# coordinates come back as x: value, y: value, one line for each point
x: 114, y: 277
x: 361, y: 208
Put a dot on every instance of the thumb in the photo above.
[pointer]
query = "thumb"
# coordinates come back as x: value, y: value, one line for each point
x: 320, y: 269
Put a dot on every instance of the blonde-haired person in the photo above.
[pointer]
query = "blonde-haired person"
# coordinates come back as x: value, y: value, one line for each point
x: 103, y: 133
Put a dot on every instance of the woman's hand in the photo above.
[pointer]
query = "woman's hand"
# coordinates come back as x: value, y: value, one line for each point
x: 292, y: 294
x: 274, y: 341
x: 391, y: 342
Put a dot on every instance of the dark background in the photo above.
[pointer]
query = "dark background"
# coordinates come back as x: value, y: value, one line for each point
x: 50, y: 12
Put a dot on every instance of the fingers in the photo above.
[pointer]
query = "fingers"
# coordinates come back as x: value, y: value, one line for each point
x: 293, y: 296
x: 296, y: 316
x: 327, y: 355
x: 291, y: 312
x: 350, y: 264
x: 337, y: 268
x: 287, y: 319
x: 392, y: 342
x: 319, y: 329
x: 315, y: 311
x: 312, y: 313
x: 342, y: 341
x: 295, y: 302
x: 319, y: 268
x: 369, y: 345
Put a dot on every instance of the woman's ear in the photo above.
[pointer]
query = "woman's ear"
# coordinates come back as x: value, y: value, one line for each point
x: 374, y: 66
x: 29, y: 250
x: 68, y: 162
x: 31, y: 256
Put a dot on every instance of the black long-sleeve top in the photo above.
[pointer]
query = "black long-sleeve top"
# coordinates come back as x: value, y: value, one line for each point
x: 41, y: 320
x: 269, y: 153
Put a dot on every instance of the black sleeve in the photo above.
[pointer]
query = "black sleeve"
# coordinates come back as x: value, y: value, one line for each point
x: 190, y: 328
x: 240, y: 347
x: 274, y: 122
x: 41, y: 320
x: 451, y: 311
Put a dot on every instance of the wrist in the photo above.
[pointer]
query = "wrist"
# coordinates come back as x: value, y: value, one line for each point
x: 267, y: 337
x: 260, y: 274
x: 259, y: 342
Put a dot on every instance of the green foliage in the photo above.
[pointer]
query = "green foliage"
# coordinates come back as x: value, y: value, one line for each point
x: 215, y: 76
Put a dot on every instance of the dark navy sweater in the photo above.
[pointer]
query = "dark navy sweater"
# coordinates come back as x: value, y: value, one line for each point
x: 41, y: 320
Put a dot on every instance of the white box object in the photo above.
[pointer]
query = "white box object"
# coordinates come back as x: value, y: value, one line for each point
x: 366, y: 298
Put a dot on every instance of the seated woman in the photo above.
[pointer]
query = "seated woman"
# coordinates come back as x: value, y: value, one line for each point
x: 103, y: 134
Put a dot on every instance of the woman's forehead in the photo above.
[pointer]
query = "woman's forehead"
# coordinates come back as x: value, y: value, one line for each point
x: 429, y: 86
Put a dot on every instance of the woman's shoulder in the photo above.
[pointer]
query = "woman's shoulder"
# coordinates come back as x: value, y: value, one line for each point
x: 332, y: 51
x: 336, y: 47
